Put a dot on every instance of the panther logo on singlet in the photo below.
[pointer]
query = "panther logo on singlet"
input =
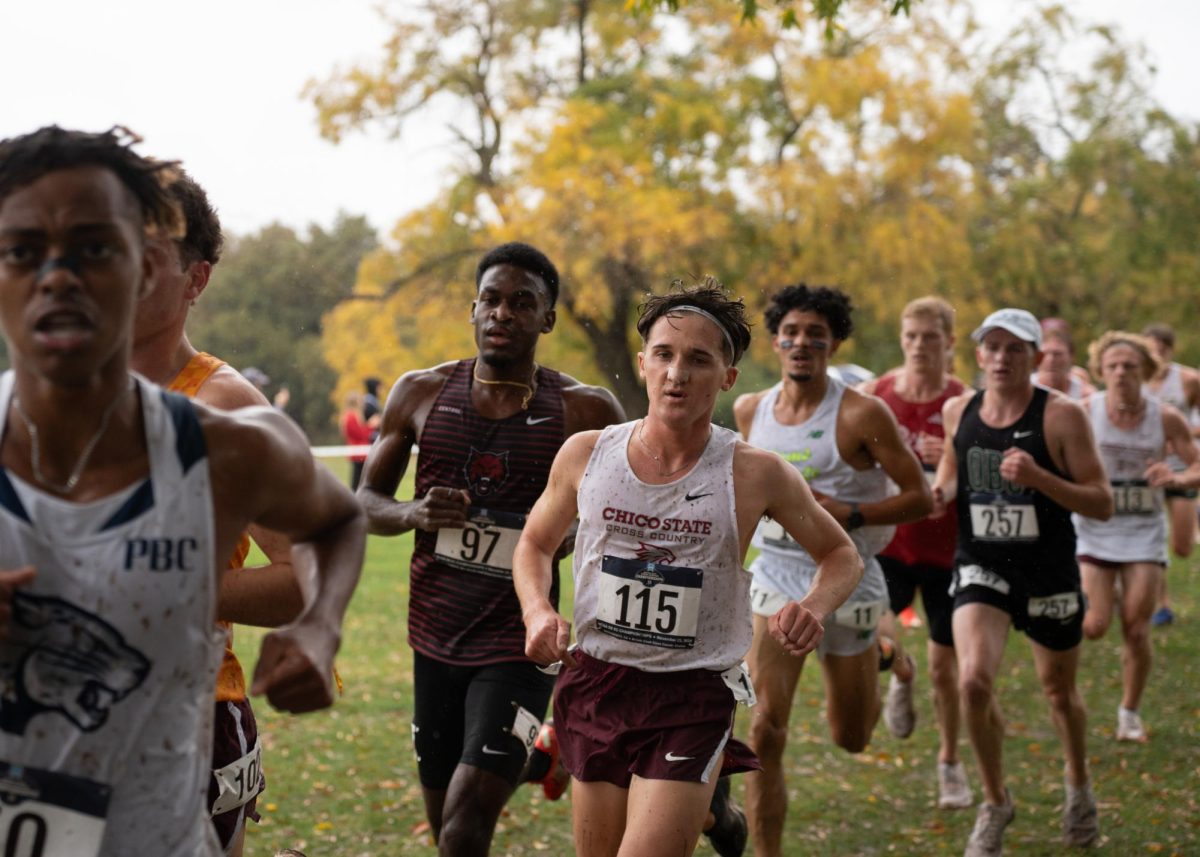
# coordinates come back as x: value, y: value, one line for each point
x: 654, y: 553
x: 486, y: 471
x: 59, y: 658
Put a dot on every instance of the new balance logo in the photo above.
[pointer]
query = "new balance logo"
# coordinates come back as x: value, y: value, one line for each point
x: 532, y: 421
x: 691, y: 498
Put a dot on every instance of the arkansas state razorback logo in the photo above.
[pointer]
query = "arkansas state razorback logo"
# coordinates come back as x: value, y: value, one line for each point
x: 486, y: 471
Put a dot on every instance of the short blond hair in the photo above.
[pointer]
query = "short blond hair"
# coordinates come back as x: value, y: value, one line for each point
x: 931, y: 307
x: 1110, y: 338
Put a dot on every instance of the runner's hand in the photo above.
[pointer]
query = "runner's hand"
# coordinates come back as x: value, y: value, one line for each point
x: 295, y: 669
x: 1159, y: 474
x: 796, y: 628
x: 440, y: 507
x: 1018, y: 467
x: 547, y: 638
x: 929, y: 448
x: 10, y: 579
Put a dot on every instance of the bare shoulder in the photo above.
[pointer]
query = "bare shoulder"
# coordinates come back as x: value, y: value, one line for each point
x: 865, y: 411
x: 754, y: 465
x: 869, y: 386
x: 589, y: 406
x: 240, y: 442
x: 1064, y: 414
x: 229, y: 390
x: 747, y: 402
x: 1173, y: 420
x: 416, y: 388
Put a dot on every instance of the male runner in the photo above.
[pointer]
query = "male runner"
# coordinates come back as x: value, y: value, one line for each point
x: 1057, y: 371
x: 1022, y: 460
x: 846, y: 445
x: 119, y: 506
x: 666, y: 506
x: 268, y: 595
x: 1178, y: 386
x: 921, y: 554
x: 1134, y: 432
x: 488, y: 430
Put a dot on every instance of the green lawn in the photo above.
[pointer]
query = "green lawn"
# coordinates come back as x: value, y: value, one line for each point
x: 343, y: 782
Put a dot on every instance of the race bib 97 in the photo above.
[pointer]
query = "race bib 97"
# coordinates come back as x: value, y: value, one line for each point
x: 999, y: 521
x: 648, y: 602
x: 485, y: 545
x: 48, y: 814
x: 1134, y: 497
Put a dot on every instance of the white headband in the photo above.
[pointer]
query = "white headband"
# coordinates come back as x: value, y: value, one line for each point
x: 713, y: 319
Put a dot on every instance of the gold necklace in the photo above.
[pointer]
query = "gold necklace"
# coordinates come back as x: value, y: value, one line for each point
x: 35, y: 457
x: 530, y: 388
x: 658, y: 460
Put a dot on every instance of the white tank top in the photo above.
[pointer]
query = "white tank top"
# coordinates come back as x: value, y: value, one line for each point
x: 105, y: 724
x: 1171, y: 392
x: 1137, y: 531
x: 659, y: 583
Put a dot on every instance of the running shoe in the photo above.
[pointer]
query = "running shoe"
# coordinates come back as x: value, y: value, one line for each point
x: 987, y: 838
x: 1081, y: 821
x: 909, y: 619
x: 1162, y: 616
x: 953, y: 790
x: 555, y: 783
x: 729, y: 832
x: 898, y: 711
x: 1130, y: 726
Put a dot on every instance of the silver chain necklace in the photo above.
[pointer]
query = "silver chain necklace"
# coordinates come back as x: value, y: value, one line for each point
x: 658, y: 459
x: 35, y: 457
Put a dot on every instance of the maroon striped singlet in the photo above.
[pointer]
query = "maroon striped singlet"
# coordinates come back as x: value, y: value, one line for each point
x: 462, y: 606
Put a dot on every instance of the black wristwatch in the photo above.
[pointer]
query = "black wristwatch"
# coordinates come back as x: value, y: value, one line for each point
x: 856, y: 518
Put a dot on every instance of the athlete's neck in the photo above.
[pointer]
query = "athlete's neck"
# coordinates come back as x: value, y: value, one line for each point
x: 162, y: 356
x: 803, y: 395
x: 920, y: 384
x: 520, y: 371
x: 1004, y: 405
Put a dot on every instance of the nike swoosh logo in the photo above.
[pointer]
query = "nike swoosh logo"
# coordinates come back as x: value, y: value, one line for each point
x: 532, y: 421
x: 671, y: 757
x: 1017, y: 435
x: 691, y: 497
x: 488, y: 751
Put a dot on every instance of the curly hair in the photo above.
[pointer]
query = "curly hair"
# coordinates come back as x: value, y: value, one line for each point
x: 831, y: 304
x: 1110, y: 338
x: 202, y: 242
x: 29, y: 157
x: 525, y: 257
x: 709, y: 295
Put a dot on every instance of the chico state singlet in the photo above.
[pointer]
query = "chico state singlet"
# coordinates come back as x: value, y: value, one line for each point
x: 105, y: 722
x: 231, y: 680
x: 1137, y: 531
x: 659, y: 583
x: 1005, y: 528
x: 811, y: 447
x: 463, y: 608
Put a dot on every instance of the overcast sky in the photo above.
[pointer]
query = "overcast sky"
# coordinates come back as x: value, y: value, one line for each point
x: 217, y: 85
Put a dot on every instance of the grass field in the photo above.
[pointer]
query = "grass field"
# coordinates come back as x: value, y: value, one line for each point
x: 343, y: 782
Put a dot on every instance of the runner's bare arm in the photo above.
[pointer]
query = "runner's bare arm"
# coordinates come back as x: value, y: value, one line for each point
x: 263, y: 473
x: 1191, y: 392
x: 264, y: 595
x: 1179, y: 441
x: 587, y: 408
x: 547, y: 633
x: 945, y: 482
x: 404, y: 415
x: 1072, y: 447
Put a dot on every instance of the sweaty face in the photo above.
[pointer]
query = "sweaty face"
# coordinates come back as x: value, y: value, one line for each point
x: 71, y: 270
x: 924, y: 342
x: 684, y: 366
x: 1121, y: 367
x: 804, y: 344
x: 1006, y: 360
x: 510, y: 312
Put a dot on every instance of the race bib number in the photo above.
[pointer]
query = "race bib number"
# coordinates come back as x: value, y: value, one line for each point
x: 525, y: 728
x: 648, y: 602
x: 737, y: 679
x: 773, y: 535
x: 766, y: 602
x: 1134, y: 497
x: 1061, y: 606
x: 999, y: 521
x: 48, y: 814
x: 976, y: 575
x: 859, y: 615
x: 239, y: 782
x: 485, y: 545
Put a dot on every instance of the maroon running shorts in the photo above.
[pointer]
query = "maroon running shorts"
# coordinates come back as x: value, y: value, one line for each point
x: 614, y: 721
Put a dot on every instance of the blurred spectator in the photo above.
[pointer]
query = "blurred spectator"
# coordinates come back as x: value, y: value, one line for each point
x: 355, y: 432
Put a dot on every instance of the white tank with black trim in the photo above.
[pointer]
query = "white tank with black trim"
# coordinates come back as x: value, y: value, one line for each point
x: 811, y: 447
x: 1137, y: 532
x: 659, y: 583
x: 109, y: 669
